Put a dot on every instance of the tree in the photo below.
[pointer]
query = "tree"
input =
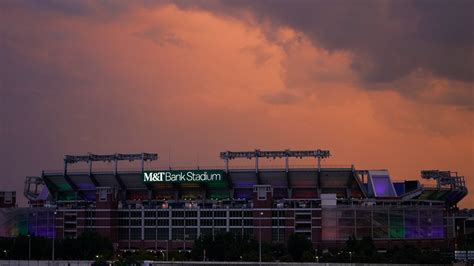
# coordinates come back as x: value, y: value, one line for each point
x: 229, y: 247
x: 297, y: 245
x: 360, y: 250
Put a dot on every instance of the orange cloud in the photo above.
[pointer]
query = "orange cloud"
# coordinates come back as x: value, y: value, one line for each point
x: 183, y: 82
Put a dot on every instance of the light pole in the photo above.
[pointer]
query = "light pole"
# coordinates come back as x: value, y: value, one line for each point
x: 54, y: 234
x: 260, y: 239
x: 29, y: 248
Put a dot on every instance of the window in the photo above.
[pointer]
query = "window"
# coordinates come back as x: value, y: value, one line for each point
x: 162, y: 214
x: 123, y: 222
x: 150, y: 214
x: 278, y: 222
x: 136, y: 233
x: 191, y: 222
x: 220, y: 222
x: 191, y: 233
x: 248, y: 222
x: 8, y: 198
x: 220, y: 214
x: 103, y: 195
x: 191, y: 213
x: 278, y: 235
x: 90, y: 229
x: 136, y: 214
x: 278, y: 213
x: 162, y: 222
x: 123, y: 233
x: 248, y: 214
x: 235, y: 222
x: 206, y: 222
x: 177, y: 214
x: 303, y: 227
x: 135, y: 222
x: 177, y: 222
x: 163, y: 234
x: 206, y: 213
x: 150, y: 222
x: 178, y: 233
x: 235, y: 214
x: 150, y: 233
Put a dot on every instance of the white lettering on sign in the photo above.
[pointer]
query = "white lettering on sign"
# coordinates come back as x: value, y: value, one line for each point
x: 181, y: 176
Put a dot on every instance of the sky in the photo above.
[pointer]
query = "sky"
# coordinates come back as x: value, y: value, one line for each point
x: 381, y: 84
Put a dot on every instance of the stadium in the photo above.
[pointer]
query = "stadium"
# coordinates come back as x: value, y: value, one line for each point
x: 167, y: 209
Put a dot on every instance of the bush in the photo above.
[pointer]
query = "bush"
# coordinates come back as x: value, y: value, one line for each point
x: 308, y: 256
x: 297, y: 245
x: 285, y: 258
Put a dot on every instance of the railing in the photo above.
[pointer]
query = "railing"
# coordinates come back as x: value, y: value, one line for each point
x: 189, y: 167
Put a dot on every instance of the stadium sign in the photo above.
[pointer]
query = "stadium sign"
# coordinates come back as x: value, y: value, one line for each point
x: 182, y: 176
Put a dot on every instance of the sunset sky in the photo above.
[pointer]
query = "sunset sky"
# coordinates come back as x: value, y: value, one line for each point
x: 381, y: 84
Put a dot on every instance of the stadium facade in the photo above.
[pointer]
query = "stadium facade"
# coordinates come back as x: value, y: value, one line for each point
x: 166, y: 209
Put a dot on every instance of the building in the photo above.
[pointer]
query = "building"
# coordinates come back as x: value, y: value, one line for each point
x: 7, y: 199
x: 164, y: 209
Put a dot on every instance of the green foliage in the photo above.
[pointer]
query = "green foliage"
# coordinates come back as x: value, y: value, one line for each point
x: 285, y: 258
x: 364, y: 251
x: 229, y: 247
x: 360, y: 250
x: 88, y: 246
x: 125, y: 261
x: 297, y: 245
x: 177, y: 256
x: 140, y: 256
x: 225, y: 247
x: 308, y: 256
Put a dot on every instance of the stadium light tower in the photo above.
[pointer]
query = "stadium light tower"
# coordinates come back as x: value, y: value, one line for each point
x: 70, y: 159
x: 230, y: 155
x: 444, y: 178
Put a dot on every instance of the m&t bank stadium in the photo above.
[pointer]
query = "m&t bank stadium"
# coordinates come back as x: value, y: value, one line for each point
x: 167, y: 209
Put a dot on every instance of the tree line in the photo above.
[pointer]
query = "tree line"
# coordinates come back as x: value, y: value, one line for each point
x: 222, y: 247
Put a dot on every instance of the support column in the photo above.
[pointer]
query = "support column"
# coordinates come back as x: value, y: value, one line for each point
x: 256, y: 164
x: 198, y: 234
x: 170, y: 220
x: 143, y: 224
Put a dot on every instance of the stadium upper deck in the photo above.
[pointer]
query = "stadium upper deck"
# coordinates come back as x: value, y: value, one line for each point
x: 238, y: 184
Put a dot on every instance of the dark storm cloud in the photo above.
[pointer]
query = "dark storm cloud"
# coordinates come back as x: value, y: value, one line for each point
x: 99, y: 10
x: 389, y: 39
